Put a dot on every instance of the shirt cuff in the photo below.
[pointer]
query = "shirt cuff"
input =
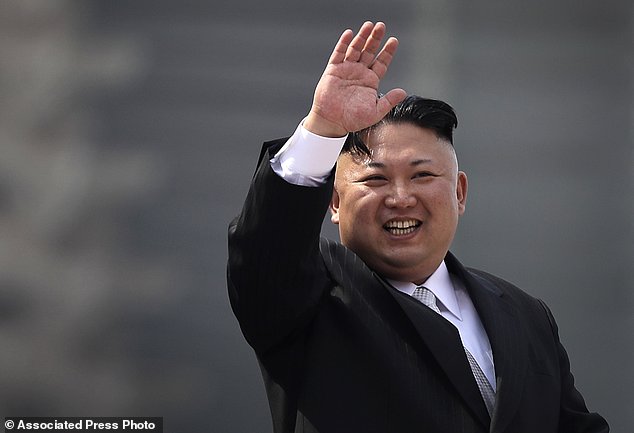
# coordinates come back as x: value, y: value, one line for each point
x: 308, y: 157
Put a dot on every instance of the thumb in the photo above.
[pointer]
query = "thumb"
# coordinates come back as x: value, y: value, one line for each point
x: 389, y: 101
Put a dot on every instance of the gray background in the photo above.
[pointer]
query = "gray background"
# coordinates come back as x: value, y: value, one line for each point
x: 129, y: 131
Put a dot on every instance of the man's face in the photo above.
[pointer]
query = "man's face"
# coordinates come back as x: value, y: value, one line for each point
x: 398, y: 209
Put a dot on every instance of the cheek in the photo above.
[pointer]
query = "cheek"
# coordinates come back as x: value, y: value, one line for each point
x: 359, y: 206
x: 358, y: 198
x: 442, y: 201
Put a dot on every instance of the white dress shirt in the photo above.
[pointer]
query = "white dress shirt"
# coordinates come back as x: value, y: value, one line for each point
x: 307, y: 159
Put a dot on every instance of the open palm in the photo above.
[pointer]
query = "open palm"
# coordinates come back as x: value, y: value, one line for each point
x: 346, y: 96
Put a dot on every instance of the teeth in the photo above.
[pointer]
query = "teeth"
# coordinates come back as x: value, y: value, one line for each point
x: 401, y: 224
x: 400, y: 228
x: 401, y: 232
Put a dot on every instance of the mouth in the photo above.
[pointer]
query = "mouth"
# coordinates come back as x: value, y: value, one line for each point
x: 401, y: 227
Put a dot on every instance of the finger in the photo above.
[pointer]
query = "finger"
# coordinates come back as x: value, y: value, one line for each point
x: 354, y: 49
x: 372, y: 44
x: 383, y: 60
x: 339, y: 53
x: 389, y: 101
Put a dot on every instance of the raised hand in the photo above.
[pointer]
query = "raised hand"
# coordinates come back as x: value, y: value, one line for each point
x: 346, y: 96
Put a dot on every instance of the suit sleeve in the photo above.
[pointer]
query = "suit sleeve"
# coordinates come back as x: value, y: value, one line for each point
x: 276, y: 278
x: 574, y: 415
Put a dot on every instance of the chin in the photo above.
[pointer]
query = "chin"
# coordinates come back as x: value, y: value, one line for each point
x: 398, y: 269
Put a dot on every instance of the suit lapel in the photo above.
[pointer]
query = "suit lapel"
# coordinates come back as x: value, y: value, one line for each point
x: 444, y: 342
x: 439, y: 335
x: 508, y: 341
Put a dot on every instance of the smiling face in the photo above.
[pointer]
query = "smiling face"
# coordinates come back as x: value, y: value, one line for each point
x: 398, y: 209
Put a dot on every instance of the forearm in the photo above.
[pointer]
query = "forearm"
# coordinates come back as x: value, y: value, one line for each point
x: 275, y: 273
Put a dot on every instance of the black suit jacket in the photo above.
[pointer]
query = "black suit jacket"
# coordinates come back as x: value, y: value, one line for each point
x: 341, y: 351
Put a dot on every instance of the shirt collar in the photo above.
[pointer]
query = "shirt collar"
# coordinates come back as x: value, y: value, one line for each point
x: 440, y: 285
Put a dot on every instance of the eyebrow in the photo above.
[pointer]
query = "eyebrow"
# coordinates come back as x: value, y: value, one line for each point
x: 414, y: 163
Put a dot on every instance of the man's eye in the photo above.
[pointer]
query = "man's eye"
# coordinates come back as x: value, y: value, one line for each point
x: 422, y: 174
x: 374, y: 179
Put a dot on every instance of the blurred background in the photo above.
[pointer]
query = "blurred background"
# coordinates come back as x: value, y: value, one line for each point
x: 129, y: 132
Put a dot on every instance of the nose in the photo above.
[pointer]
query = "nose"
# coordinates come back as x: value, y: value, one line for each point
x: 400, y: 196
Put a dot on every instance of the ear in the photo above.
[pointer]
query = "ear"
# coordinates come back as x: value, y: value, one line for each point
x: 461, y: 192
x: 334, y: 207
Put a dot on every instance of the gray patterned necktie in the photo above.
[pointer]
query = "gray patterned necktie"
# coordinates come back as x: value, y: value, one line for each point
x: 425, y: 296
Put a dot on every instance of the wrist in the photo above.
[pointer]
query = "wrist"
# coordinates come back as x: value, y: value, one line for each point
x: 322, y: 127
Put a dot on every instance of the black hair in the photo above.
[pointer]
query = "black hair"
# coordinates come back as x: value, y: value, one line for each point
x: 424, y: 112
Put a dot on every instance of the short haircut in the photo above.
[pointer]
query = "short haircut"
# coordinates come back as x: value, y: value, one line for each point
x: 424, y: 112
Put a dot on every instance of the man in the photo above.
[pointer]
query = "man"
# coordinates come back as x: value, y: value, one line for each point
x: 386, y: 332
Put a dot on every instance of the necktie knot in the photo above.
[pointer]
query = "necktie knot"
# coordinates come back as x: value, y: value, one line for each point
x: 426, y: 297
